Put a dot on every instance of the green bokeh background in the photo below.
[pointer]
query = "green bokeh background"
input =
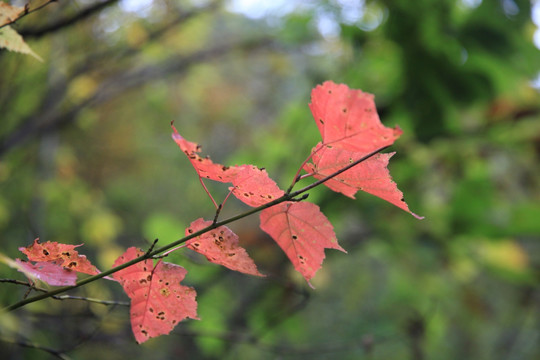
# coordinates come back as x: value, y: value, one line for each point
x: 86, y: 157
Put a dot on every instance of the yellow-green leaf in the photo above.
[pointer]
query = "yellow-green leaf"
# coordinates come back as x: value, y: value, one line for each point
x: 12, y: 41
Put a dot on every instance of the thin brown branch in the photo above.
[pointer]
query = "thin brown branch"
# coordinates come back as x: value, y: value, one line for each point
x: 57, y: 353
x: 65, y: 297
x: 51, y: 119
x: 27, y: 10
x: 37, y: 32
x: 150, y: 255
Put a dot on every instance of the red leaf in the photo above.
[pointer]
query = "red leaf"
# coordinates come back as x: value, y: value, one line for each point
x: 205, y: 168
x: 48, y: 272
x: 254, y: 187
x: 371, y: 175
x: 220, y: 246
x: 158, y: 301
x: 348, y: 119
x: 303, y: 232
x: 251, y: 185
x: 60, y: 254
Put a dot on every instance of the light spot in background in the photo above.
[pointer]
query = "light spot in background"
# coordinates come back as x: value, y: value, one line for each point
x: 535, y: 14
x: 352, y: 11
x: 259, y: 9
x: 471, y: 3
x: 141, y: 7
x: 510, y: 8
x: 327, y: 25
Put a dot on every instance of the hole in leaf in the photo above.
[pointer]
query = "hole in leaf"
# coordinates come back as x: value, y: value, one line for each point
x: 45, y: 252
x: 294, y: 237
x: 190, y: 231
x: 344, y: 110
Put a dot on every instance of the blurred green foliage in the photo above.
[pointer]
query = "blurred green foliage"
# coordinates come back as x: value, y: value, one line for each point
x: 86, y: 157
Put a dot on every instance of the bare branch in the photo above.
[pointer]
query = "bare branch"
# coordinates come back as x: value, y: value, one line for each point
x: 37, y: 32
x: 27, y: 11
x: 53, y: 118
x: 65, y: 297
x: 57, y: 353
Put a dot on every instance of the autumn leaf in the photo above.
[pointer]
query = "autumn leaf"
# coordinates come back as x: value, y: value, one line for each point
x: 254, y: 187
x: 9, y: 13
x: 47, y: 272
x: 303, y: 232
x: 348, y: 119
x: 220, y: 246
x: 60, y: 254
x: 251, y: 185
x: 370, y: 175
x: 9, y: 38
x: 205, y: 168
x: 158, y: 301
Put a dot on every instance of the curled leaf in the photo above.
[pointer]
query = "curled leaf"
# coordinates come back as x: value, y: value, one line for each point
x: 60, y: 254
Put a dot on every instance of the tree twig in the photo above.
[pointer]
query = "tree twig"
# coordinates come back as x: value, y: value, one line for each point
x: 27, y: 11
x: 57, y: 353
x: 37, y: 32
x: 150, y: 255
x: 65, y: 297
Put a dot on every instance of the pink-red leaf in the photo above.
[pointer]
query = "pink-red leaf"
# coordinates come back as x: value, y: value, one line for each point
x: 158, y: 301
x: 48, y: 272
x: 60, y: 254
x: 348, y: 119
x: 303, y: 232
x: 220, y: 246
x: 371, y: 175
x: 254, y: 187
x: 205, y: 168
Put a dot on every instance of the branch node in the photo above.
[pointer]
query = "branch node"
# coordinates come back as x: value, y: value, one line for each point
x: 151, y: 247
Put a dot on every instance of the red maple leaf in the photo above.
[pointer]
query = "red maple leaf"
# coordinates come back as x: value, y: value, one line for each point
x: 251, y: 185
x: 254, y: 187
x: 371, y: 175
x: 158, y: 301
x: 47, y: 272
x: 303, y: 232
x: 348, y: 119
x: 205, y: 167
x: 220, y: 246
x: 60, y: 254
